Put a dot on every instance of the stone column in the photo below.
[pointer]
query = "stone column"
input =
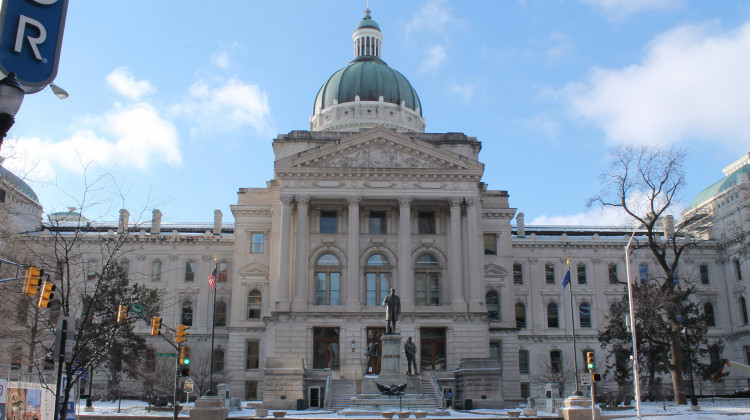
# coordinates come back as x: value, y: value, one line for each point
x: 286, y: 221
x: 455, y: 270
x: 300, y: 260
x: 475, y: 258
x: 405, y: 287
x: 352, y: 251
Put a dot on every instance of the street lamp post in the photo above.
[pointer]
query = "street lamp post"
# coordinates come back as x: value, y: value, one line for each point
x: 632, y: 326
x: 11, y: 98
x: 693, y: 398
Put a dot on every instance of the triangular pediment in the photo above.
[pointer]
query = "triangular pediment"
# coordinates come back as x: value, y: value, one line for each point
x: 254, y: 269
x: 378, y: 148
x: 495, y: 271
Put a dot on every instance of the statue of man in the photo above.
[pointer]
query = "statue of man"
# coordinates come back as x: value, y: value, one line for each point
x: 372, y: 354
x: 411, y: 356
x: 392, y: 305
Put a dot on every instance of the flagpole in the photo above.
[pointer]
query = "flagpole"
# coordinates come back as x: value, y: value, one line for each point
x: 577, y: 392
x: 213, y: 328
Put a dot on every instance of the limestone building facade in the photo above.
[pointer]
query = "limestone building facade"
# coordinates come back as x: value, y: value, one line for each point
x: 365, y: 201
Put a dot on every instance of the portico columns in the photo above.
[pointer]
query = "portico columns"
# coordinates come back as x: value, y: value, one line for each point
x: 352, y: 251
x: 454, y: 256
x: 405, y: 282
x: 300, y: 273
x: 476, y: 274
x: 286, y: 219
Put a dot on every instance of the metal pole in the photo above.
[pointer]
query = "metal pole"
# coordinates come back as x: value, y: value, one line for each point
x: 693, y: 398
x: 632, y: 326
x: 593, y: 398
x: 577, y: 392
x: 176, y: 379
x: 213, y: 328
x: 60, y: 360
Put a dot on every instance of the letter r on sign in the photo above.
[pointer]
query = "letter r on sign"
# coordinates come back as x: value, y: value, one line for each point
x: 33, y: 41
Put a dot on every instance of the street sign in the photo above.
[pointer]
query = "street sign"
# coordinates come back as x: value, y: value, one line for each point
x: 188, y: 386
x: 138, y: 308
x: 166, y: 354
x: 586, y: 380
x: 30, y: 40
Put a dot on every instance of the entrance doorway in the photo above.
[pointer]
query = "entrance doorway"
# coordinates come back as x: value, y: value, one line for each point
x: 316, y: 396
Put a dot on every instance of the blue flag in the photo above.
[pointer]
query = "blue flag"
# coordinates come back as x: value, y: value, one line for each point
x: 566, y: 279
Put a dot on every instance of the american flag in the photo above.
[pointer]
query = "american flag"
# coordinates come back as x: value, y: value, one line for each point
x: 212, y: 280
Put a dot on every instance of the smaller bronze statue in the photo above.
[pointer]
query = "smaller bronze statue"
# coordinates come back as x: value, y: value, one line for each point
x: 393, y: 389
x: 392, y: 305
x: 411, y: 356
x: 372, y: 354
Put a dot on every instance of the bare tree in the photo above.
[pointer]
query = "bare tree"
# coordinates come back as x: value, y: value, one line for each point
x: 545, y: 372
x: 645, y: 182
x: 200, y: 371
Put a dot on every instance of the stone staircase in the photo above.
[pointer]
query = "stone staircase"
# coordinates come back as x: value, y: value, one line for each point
x: 341, y: 393
x: 430, y: 392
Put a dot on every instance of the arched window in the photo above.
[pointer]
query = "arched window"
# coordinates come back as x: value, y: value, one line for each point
x: 254, y: 300
x: 328, y: 280
x: 708, y: 310
x: 187, y: 313
x: 552, y: 320
x: 520, y: 315
x: 377, y: 279
x: 427, y: 278
x: 220, y: 314
x: 584, y: 315
x: 743, y: 309
x: 492, y: 301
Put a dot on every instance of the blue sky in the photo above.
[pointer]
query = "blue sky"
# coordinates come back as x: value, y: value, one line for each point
x: 173, y: 105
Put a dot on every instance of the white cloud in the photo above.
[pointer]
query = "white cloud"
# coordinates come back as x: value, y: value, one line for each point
x: 592, y: 217
x: 618, y: 9
x: 134, y: 136
x: 125, y: 84
x: 432, y: 16
x: 435, y: 57
x: 465, y: 90
x: 221, y: 59
x: 691, y: 83
x: 561, y: 44
x: 226, y: 107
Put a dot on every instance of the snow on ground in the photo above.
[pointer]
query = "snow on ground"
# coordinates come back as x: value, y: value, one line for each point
x: 733, y: 409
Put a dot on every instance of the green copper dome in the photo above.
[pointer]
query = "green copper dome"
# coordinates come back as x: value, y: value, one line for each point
x: 370, y: 78
x: 18, y: 183
x: 719, y: 187
x: 367, y: 23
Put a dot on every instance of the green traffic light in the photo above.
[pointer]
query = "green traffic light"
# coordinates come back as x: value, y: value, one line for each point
x: 186, y: 362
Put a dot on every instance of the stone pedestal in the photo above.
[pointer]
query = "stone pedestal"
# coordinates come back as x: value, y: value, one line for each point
x: 579, y: 408
x: 209, y: 408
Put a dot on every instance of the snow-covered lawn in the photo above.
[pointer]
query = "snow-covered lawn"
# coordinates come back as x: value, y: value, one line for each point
x: 735, y: 409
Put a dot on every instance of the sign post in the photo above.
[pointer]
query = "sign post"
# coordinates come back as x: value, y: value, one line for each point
x: 31, y: 33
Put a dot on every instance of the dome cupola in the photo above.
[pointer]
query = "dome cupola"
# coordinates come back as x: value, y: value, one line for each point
x: 367, y: 92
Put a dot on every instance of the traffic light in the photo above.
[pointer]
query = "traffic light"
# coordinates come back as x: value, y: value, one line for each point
x: 32, y: 281
x: 47, y: 294
x: 596, y: 377
x: 180, y: 336
x: 185, y: 356
x: 122, y: 313
x: 590, y: 360
x: 155, y: 326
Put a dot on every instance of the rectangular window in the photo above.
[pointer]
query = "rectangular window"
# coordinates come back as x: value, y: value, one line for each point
x: 377, y: 223
x: 328, y: 222
x: 156, y: 271
x: 251, y: 390
x: 738, y: 269
x: 223, y: 272
x: 378, y: 285
x: 517, y: 273
x: 490, y: 244
x: 525, y: 390
x: 581, y: 268
x: 189, y: 271
x: 325, y: 348
x: 252, y: 356
x: 91, y: 270
x: 218, y: 360
x: 432, y: 348
x: 613, y: 274
x: 643, y: 272
x: 549, y: 273
x: 523, y: 362
x: 555, y: 361
x: 256, y: 243
x: 426, y: 223
x: 328, y: 288
x: 428, y: 288
x: 125, y: 266
x: 496, y: 351
x: 704, y: 273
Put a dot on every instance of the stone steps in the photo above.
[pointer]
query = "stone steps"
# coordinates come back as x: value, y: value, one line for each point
x: 341, y: 393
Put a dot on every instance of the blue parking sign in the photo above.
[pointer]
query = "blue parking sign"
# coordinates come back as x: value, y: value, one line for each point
x: 30, y: 40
